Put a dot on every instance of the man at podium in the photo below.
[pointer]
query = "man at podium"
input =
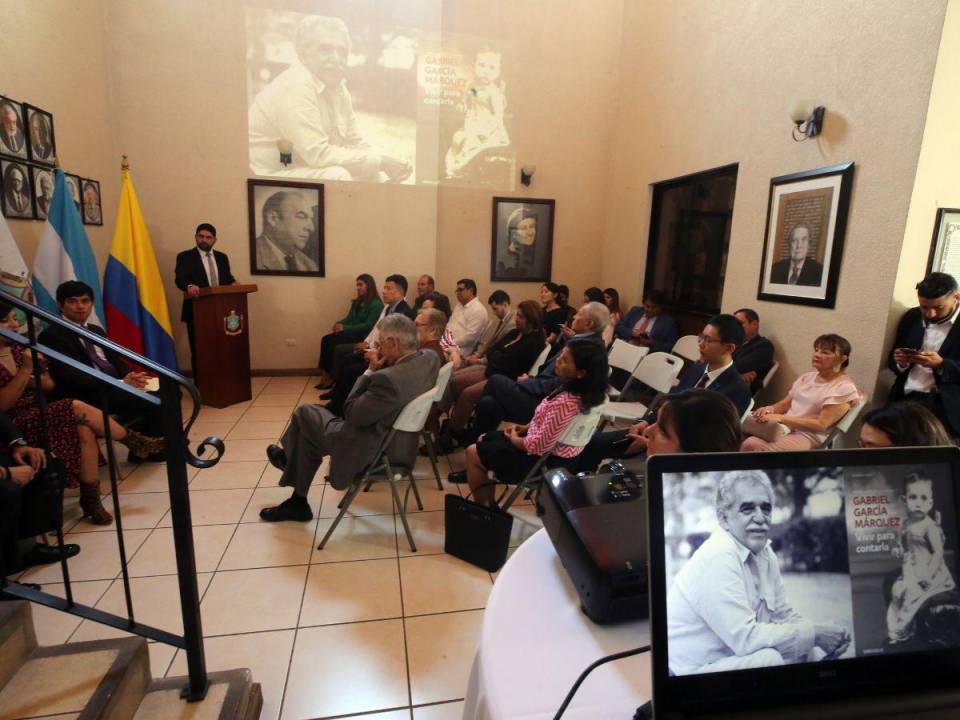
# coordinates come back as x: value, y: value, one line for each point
x: 200, y: 268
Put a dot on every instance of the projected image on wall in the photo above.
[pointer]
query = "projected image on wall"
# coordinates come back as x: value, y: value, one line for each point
x: 356, y: 93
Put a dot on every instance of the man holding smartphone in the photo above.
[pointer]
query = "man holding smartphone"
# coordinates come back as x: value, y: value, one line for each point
x: 926, y: 351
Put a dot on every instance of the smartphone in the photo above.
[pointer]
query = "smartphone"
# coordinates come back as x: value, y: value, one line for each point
x: 909, y: 351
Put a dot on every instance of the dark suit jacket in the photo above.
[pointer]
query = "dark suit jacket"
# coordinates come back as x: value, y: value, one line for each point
x: 754, y: 356
x: 405, y: 309
x: 947, y: 377
x: 728, y: 383
x: 664, y: 332
x: 810, y: 274
x: 69, y: 382
x: 189, y: 271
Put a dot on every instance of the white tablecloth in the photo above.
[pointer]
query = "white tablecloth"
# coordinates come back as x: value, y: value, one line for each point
x: 536, y: 641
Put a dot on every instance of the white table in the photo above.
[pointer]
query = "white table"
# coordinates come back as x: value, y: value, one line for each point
x: 535, y: 642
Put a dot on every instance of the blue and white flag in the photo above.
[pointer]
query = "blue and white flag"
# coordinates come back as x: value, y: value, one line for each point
x: 64, y: 253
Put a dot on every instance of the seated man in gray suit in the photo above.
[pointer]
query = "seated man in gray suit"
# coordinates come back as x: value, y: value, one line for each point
x: 398, y: 372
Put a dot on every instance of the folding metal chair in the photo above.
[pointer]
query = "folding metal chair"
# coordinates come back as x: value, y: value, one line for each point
x: 443, y: 379
x: 576, y: 434
x: 687, y: 347
x: 658, y: 370
x: 538, y: 363
x: 770, y: 373
x: 411, y: 419
x: 843, y: 425
x: 627, y: 357
x: 746, y: 413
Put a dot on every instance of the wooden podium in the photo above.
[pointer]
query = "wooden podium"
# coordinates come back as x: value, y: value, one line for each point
x: 221, y: 331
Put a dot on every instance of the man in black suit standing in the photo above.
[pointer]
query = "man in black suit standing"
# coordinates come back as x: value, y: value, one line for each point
x: 199, y: 268
x: 798, y: 269
x: 754, y: 358
x: 720, y: 337
x: 926, y: 351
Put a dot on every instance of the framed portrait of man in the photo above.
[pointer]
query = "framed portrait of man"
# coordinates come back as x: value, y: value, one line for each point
x: 16, y: 198
x: 90, y: 194
x: 286, y: 228
x: 13, y: 139
x: 73, y: 183
x: 803, y: 245
x: 41, y: 144
x: 42, y: 183
x: 522, y: 248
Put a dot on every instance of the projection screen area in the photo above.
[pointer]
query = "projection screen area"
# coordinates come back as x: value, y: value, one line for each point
x: 372, y: 91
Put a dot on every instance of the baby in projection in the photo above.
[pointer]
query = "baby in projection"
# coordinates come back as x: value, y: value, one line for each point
x: 924, y: 573
x: 484, y: 104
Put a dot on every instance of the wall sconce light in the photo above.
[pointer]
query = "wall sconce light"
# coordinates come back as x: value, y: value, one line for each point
x: 807, y: 123
x: 526, y: 174
x: 286, y: 151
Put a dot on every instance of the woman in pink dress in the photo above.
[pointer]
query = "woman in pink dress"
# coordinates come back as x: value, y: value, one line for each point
x: 816, y: 402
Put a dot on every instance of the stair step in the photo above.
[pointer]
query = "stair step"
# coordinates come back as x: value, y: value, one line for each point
x: 232, y: 696
x: 101, y: 680
x: 17, y: 637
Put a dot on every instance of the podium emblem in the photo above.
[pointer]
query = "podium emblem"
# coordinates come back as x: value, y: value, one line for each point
x: 233, y: 323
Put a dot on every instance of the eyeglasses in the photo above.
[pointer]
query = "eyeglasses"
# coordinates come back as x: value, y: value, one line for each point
x: 461, y: 289
x: 707, y: 339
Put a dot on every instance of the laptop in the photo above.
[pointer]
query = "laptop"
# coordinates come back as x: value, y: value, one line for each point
x: 812, y: 584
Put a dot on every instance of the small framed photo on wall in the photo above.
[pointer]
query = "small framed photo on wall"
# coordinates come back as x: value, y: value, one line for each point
x: 13, y: 139
x: 43, y: 149
x: 42, y: 190
x: 522, y: 248
x: 286, y: 228
x: 90, y: 194
x: 945, y: 246
x: 803, y: 246
x: 17, y: 201
x: 73, y: 183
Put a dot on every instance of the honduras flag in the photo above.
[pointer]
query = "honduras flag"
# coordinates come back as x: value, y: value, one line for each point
x: 64, y: 253
x: 137, y: 315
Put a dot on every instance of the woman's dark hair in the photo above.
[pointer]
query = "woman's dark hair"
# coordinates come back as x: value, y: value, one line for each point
x: 594, y: 294
x: 908, y: 424
x: 552, y: 287
x: 5, y: 309
x: 533, y: 314
x: 835, y: 344
x: 367, y: 297
x: 592, y: 387
x: 614, y: 303
x: 440, y: 302
x: 563, y: 295
x: 702, y: 420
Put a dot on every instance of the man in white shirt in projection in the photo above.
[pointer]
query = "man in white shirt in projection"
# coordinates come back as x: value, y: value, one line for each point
x: 469, y: 318
x: 309, y: 106
x: 727, y: 609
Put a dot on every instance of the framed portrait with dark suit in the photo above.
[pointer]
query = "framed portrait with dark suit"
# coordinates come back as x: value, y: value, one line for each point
x: 16, y: 198
x: 13, y: 136
x: 286, y: 228
x: 91, y: 210
x: 803, y: 245
x: 73, y: 184
x: 42, y: 146
x: 522, y: 242
x: 42, y: 183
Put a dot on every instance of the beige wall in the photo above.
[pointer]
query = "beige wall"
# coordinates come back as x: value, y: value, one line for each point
x: 701, y: 89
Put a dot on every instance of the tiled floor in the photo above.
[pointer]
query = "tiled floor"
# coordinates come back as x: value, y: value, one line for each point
x: 363, y: 626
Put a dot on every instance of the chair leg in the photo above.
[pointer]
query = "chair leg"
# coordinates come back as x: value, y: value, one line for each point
x: 344, y: 506
x: 432, y: 452
x: 401, y: 511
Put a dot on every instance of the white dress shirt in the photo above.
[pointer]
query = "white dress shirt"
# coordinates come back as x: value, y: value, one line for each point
x: 373, y: 337
x: 727, y: 602
x: 213, y: 280
x: 921, y: 378
x: 714, y: 374
x: 467, y: 324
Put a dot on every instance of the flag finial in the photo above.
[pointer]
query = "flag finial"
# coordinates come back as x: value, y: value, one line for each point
x: 124, y: 164
x: 56, y: 162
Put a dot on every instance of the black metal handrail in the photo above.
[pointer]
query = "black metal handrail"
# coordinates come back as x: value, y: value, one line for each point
x: 178, y: 453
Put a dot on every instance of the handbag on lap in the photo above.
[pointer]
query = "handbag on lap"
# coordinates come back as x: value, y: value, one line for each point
x: 769, y: 431
x: 476, y: 533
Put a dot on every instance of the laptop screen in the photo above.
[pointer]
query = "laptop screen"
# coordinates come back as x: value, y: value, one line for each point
x: 801, y: 570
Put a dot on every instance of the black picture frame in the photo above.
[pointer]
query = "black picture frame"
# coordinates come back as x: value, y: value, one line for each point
x: 512, y: 258
x: 17, y: 146
x: 91, y: 212
x: 73, y: 184
x: 268, y: 253
x: 41, y: 200
x: 945, y: 246
x: 819, y: 201
x: 15, y: 203
x: 41, y: 151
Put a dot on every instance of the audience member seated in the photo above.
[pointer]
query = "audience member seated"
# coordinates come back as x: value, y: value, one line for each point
x: 430, y: 324
x: 554, y: 314
x: 694, y: 421
x: 448, y: 344
x: 815, y: 403
x: 494, y: 331
x: 506, y: 399
x: 902, y: 424
x: 563, y: 300
x: 648, y: 325
x: 512, y: 356
x: 398, y: 373
x: 29, y: 505
x: 75, y: 299
x: 720, y: 337
x: 512, y: 453
x: 426, y: 286
x: 925, y: 355
x: 593, y: 294
x: 365, y: 308
x: 469, y: 317
x: 754, y: 357
x: 611, y: 298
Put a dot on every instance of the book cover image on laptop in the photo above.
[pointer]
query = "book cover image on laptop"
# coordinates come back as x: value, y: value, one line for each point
x: 784, y: 579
